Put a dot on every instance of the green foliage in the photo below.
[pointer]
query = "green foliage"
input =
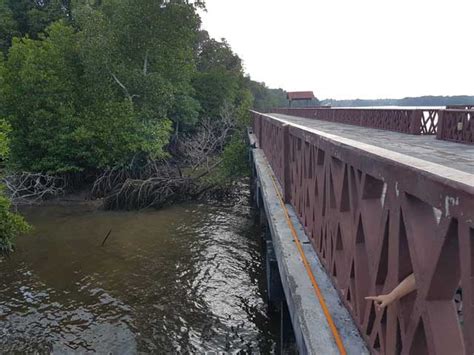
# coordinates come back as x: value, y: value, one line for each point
x: 110, y: 80
x: 221, y: 90
x: 213, y: 89
x: 88, y: 85
x: 219, y: 81
x: 29, y: 18
x: 245, y: 101
x: 114, y: 134
x: 213, y: 55
x: 69, y: 114
x: 11, y: 225
x: 143, y: 52
x: 42, y: 96
x: 8, y: 26
x: 266, y: 98
x: 2, y: 86
x: 44, y: 13
x: 235, y: 158
x: 5, y: 130
x: 185, y: 110
x: 234, y: 164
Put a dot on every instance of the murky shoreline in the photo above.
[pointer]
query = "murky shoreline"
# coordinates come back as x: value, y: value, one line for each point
x: 184, y: 278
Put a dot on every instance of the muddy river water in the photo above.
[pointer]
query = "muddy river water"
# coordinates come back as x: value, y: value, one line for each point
x: 187, y: 278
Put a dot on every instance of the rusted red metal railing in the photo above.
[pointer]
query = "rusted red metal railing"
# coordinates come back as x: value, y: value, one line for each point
x: 373, y: 221
x: 410, y: 121
x: 272, y: 131
x: 460, y: 107
x: 457, y: 126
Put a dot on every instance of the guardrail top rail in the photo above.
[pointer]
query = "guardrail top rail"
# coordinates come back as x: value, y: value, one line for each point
x: 410, y: 121
x: 376, y: 218
x: 460, y: 107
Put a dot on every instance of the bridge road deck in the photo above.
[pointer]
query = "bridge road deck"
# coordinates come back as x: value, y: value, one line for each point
x: 425, y: 147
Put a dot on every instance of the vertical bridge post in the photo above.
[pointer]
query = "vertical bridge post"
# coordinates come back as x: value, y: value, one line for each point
x: 286, y: 164
x: 415, y: 122
x: 440, y: 131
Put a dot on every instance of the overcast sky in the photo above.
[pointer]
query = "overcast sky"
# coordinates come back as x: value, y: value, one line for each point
x: 352, y: 49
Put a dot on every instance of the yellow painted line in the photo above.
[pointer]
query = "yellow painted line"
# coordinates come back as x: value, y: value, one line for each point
x: 317, y: 290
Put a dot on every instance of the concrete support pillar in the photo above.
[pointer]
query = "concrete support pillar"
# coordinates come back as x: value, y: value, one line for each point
x: 287, y: 335
x: 258, y: 196
x: 274, y: 286
x: 263, y: 219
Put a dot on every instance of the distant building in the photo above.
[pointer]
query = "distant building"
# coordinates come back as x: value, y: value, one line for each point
x: 304, y: 96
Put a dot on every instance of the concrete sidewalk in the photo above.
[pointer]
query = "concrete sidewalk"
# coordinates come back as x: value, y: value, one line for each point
x: 450, y: 154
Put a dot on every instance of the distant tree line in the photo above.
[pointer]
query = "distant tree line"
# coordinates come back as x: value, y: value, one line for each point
x: 407, y: 101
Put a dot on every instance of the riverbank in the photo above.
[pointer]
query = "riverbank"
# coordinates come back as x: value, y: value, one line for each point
x: 83, y: 197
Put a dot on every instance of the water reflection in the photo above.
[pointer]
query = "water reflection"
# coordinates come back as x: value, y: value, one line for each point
x: 187, y: 278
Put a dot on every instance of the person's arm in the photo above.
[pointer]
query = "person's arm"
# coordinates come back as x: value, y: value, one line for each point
x: 405, y: 287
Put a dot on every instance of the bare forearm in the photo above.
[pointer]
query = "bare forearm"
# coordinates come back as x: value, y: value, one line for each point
x: 405, y: 287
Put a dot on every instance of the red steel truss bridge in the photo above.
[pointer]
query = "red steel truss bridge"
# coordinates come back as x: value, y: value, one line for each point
x: 378, y: 195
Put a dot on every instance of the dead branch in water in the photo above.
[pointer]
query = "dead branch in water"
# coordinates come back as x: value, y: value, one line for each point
x: 31, y: 188
x: 106, y: 237
x: 154, y: 183
x: 199, y: 148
